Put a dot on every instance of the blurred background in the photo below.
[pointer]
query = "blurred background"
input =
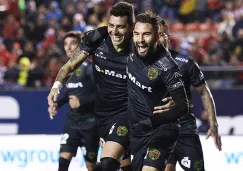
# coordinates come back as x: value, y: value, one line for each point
x: 31, y: 54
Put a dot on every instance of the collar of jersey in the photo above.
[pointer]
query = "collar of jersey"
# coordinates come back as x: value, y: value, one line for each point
x: 110, y: 45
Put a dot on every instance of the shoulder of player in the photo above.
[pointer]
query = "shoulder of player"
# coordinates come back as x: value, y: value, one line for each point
x: 181, y: 57
x: 95, y: 35
x: 166, y: 62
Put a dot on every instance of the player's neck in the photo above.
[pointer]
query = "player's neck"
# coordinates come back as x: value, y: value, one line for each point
x: 122, y: 46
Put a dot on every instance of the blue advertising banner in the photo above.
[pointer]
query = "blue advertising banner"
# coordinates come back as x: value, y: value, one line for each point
x: 25, y: 112
x: 32, y: 116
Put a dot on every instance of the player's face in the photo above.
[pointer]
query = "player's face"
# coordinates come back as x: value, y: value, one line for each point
x: 119, y: 30
x: 145, y: 38
x: 70, y: 45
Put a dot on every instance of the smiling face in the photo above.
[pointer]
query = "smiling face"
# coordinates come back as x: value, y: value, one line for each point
x: 145, y: 38
x: 70, y: 45
x: 119, y: 30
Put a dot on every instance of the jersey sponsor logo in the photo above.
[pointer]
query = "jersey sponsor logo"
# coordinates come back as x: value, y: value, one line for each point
x: 110, y: 72
x: 201, y: 76
x: 154, y: 154
x: 122, y: 131
x: 100, y: 55
x: 186, y: 162
x: 178, y: 84
x: 177, y: 74
x: 133, y: 79
x: 182, y: 59
x: 153, y: 73
x: 131, y: 56
x: 162, y: 65
x: 112, y: 128
x: 198, y: 165
x: 74, y: 85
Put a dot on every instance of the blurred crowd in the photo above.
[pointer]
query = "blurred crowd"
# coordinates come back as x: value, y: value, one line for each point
x: 32, y: 31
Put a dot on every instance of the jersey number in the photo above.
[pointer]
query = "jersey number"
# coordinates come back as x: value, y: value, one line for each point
x: 64, y: 138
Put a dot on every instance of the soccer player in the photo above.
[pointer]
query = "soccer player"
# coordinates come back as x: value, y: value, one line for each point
x: 109, y: 47
x: 152, y: 75
x: 80, y: 128
x: 188, y: 151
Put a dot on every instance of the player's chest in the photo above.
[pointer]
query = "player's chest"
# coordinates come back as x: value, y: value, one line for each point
x: 143, y: 76
x: 107, y: 61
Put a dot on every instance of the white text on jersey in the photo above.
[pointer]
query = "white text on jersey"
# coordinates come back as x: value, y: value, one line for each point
x: 111, y: 73
x: 133, y: 79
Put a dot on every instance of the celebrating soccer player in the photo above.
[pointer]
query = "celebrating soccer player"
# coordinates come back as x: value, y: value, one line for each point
x: 153, y: 74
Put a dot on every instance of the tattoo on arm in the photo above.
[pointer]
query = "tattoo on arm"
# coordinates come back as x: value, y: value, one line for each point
x: 63, y: 74
x: 75, y: 55
x: 208, y: 103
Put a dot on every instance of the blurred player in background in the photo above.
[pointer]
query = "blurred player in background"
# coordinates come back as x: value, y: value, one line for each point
x: 188, y: 151
x: 80, y: 129
x: 152, y: 75
x: 109, y: 47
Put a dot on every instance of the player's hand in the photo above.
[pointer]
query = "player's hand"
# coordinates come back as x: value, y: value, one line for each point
x: 213, y: 132
x: 52, y: 97
x: 163, y: 108
x: 74, y: 102
x: 52, y: 111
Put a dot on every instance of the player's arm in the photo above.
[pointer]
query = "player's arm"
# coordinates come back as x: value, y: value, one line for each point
x: 198, y: 81
x: 172, y: 78
x: 209, y: 106
x: 63, y: 100
x: 173, y: 81
x: 64, y: 73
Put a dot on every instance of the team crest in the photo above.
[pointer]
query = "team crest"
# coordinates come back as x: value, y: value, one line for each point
x: 198, y: 165
x: 154, y: 154
x: 122, y: 131
x: 78, y: 72
x: 153, y: 73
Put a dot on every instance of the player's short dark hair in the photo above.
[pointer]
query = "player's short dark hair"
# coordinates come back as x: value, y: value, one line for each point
x: 73, y: 35
x: 123, y: 9
x: 150, y: 18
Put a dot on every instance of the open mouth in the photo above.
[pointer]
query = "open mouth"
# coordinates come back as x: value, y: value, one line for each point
x: 116, y: 38
x: 142, y: 49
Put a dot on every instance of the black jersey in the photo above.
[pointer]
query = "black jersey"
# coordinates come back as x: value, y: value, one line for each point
x: 110, y: 77
x: 149, y: 81
x: 82, y: 86
x: 192, y: 76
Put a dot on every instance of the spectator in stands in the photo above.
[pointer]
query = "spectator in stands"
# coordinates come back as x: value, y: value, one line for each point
x: 237, y: 45
x: 3, y: 69
x: 11, y: 75
x: 10, y: 28
x: 187, y: 10
x: 226, y: 26
x: 36, y: 74
x: 169, y: 10
x: 54, y: 12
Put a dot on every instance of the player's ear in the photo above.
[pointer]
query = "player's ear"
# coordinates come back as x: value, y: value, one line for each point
x: 159, y: 35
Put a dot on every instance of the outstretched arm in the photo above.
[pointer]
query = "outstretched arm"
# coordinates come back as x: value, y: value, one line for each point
x: 209, y: 106
x: 75, y: 61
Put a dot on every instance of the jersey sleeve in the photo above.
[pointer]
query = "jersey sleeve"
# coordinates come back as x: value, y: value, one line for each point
x: 196, y: 75
x: 92, y: 39
x: 172, y: 78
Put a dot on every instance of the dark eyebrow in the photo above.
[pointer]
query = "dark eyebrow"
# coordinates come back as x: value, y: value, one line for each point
x: 121, y: 25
